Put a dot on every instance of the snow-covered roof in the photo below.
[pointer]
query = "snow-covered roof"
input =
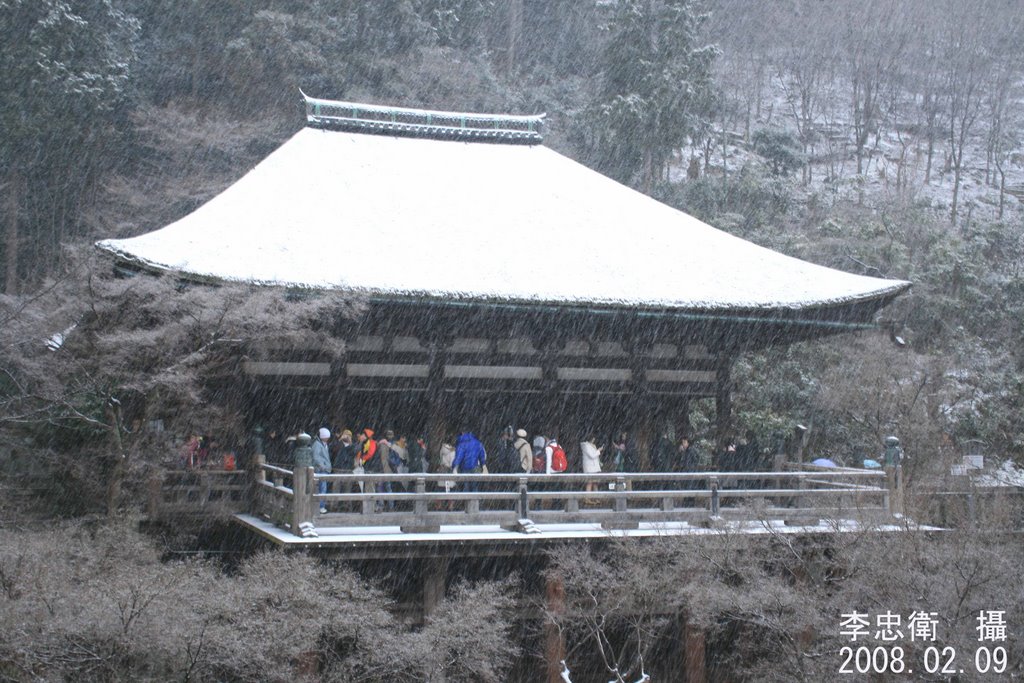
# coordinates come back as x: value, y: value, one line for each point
x: 453, y: 220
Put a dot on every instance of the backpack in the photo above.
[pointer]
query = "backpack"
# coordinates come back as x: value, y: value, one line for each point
x: 395, y: 460
x: 558, y: 461
x: 538, y: 463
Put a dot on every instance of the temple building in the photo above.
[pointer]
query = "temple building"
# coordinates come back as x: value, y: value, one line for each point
x: 504, y: 283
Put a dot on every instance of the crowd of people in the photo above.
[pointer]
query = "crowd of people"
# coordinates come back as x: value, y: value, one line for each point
x: 513, y: 451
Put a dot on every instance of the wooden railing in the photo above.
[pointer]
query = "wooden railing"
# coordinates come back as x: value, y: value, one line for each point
x: 424, y: 502
x: 176, y: 493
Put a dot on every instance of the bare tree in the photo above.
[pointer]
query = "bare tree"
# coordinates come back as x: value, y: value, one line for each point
x: 95, y: 602
x: 78, y: 350
x: 966, y: 61
x: 805, y: 63
x: 874, y: 44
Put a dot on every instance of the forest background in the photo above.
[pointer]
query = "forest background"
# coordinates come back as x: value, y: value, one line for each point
x: 875, y: 137
x: 878, y: 137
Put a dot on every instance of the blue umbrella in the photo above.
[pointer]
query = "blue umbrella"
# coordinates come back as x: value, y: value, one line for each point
x: 823, y: 462
x: 872, y: 464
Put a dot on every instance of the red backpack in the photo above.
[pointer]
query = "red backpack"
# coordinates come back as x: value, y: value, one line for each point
x: 558, y: 461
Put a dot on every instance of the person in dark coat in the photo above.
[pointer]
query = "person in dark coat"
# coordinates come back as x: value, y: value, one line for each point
x: 418, y: 456
x: 748, y: 453
x: 664, y: 455
x: 345, y: 454
x: 505, y: 459
x: 344, y: 459
x: 368, y: 455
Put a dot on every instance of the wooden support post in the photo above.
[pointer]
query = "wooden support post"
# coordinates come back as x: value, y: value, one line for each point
x: 554, y: 641
x: 643, y: 417
x: 549, y: 346
x: 437, y: 417
x: 435, y: 575
x: 693, y: 654
x: 156, y: 492
x: 723, y: 404
x: 682, y: 419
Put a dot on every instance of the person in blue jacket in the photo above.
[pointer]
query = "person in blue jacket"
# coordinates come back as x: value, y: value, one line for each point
x: 470, y: 458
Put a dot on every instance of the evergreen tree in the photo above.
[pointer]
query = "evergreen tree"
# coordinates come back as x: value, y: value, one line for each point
x: 656, y: 75
x: 65, y: 69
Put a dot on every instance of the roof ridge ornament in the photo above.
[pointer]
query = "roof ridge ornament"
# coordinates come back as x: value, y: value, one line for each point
x: 423, y: 123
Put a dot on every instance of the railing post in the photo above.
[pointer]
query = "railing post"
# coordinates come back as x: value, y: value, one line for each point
x: 298, y: 500
x: 473, y: 506
x: 369, y: 504
x: 204, y: 488
x: 311, y: 489
x: 420, y: 506
x: 524, y: 500
x: 899, y: 490
x: 715, y: 504
x: 256, y: 493
x: 261, y: 474
x: 620, y: 490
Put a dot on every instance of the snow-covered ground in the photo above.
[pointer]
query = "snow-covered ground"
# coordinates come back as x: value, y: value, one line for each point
x: 833, y: 165
x: 1007, y: 474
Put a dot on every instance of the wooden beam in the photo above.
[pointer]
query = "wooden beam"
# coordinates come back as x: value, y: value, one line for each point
x: 554, y: 641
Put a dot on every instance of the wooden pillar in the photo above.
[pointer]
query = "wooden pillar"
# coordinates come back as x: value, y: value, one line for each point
x: 302, y: 501
x: 435, y: 574
x: 437, y: 416
x: 156, y: 493
x: 338, y: 393
x: 693, y: 654
x: 682, y: 418
x: 554, y: 641
x: 551, y: 411
x: 643, y: 408
x: 723, y: 403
